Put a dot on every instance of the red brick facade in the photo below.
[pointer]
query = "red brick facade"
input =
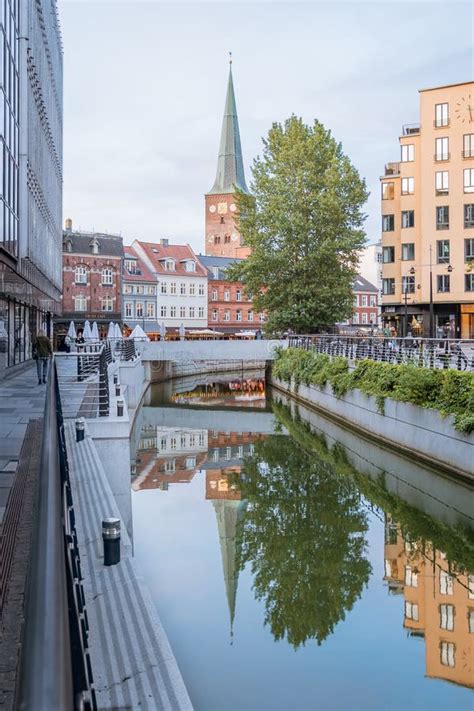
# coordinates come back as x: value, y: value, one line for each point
x: 226, y: 301
x: 222, y: 237
x: 103, y: 300
x: 365, y: 309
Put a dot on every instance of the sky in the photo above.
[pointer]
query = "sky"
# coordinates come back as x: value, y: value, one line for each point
x: 145, y: 82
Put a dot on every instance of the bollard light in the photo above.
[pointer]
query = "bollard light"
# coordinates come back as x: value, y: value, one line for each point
x: 117, y: 389
x: 120, y: 408
x: 111, y: 538
x: 80, y: 429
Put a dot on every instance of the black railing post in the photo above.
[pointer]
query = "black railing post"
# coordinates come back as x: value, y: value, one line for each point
x: 103, y: 386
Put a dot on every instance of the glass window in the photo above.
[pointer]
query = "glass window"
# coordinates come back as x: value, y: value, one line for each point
x: 173, y: 287
x: 408, y: 284
x: 443, y: 282
x: 108, y: 304
x: 80, y: 276
x: 238, y: 315
x: 139, y: 309
x: 172, y: 311
x: 468, y: 215
x: 250, y: 316
x: 150, y: 310
x: 201, y: 289
x: 469, y: 180
x: 238, y: 295
x: 408, y: 186
x: 215, y: 315
x: 355, y: 317
x: 469, y: 282
x: 356, y: 300
x: 411, y: 611
x: 373, y: 300
x: 447, y: 650
x: 388, y: 223
x: 169, y: 265
x: 190, y: 266
x: 441, y: 115
x: 191, y: 311
x: 364, y: 299
x: 214, y: 295
x: 388, y: 191
x: 442, y: 251
x: 388, y: 255
x: 163, y: 311
x: 201, y: 312
x: 408, y: 218
x: 388, y: 287
x: 470, y: 587
x: 226, y: 295
x: 192, y: 289
x: 470, y: 620
x: 80, y: 303
x: 442, y: 148
x: 408, y: 251
x: 442, y: 217
x: 182, y: 311
x: 163, y: 287
x: 128, y: 309
x: 364, y: 317
x: 182, y: 289
x: 468, y: 145
x: 411, y: 577
x: 408, y: 153
x: 468, y: 249
x: 227, y: 315
x: 446, y: 613
x: 442, y: 182
x: 107, y: 277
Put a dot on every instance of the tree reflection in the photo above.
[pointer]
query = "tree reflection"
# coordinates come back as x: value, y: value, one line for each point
x: 304, y: 538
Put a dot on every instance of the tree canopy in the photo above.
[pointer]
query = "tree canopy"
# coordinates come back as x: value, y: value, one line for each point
x: 304, y: 225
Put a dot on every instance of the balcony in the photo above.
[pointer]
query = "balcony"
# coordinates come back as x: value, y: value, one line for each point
x: 410, y: 129
x: 392, y: 169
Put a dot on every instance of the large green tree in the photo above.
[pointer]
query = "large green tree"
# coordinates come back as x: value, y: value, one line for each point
x: 304, y: 224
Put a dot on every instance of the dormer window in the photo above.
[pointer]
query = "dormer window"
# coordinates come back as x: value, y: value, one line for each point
x: 94, y: 245
x: 215, y: 272
x: 68, y: 246
x: 190, y: 266
x: 169, y: 265
x: 131, y: 265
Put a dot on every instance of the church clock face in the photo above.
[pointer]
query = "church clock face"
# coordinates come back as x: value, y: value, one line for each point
x: 232, y: 207
x: 222, y: 208
x: 210, y: 238
x: 212, y: 208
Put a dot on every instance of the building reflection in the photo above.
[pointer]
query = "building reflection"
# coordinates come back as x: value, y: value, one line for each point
x: 438, y: 604
x: 241, y: 392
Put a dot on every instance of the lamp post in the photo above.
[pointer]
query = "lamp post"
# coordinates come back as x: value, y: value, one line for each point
x: 405, y: 295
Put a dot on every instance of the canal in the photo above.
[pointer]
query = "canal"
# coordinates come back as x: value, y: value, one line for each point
x: 293, y: 565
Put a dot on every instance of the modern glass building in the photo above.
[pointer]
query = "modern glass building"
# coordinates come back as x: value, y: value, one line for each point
x: 31, y: 105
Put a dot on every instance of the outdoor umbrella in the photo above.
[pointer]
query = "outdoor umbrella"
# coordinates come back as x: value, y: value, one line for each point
x: 71, y: 333
x: 182, y: 331
x: 111, y: 331
x: 87, y: 332
x: 162, y: 331
x: 118, y: 331
x: 138, y: 334
x: 95, y: 332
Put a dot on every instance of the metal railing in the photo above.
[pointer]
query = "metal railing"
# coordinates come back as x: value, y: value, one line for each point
x: 84, y: 382
x: 422, y: 352
x: 55, y: 670
x: 125, y: 350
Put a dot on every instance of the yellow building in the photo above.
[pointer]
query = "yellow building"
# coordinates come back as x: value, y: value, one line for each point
x: 428, y: 219
x: 438, y: 605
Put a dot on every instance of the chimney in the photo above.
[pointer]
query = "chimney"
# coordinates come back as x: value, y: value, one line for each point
x: 164, y: 242
x: 69, y: 225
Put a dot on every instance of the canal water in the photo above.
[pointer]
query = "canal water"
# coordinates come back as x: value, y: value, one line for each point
x: 294, y: 566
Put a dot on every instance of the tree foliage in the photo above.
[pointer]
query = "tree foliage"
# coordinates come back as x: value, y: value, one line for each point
x: 304, y: 538
x: 304, y: 224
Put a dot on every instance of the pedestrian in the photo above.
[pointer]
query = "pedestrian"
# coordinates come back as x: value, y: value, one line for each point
x: 80, y: 340
x: 42, y: 351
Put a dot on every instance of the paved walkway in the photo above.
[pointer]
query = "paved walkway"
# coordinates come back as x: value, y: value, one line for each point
x: 21, y: 399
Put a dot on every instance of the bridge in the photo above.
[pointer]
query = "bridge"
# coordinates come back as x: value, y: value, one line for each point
x: 212, y: 350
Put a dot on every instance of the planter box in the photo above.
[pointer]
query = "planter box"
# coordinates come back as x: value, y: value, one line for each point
x: 423, y: 432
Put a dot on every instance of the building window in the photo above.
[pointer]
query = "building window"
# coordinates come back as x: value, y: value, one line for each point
x: 442, y: 182
x: 80, y: 303
x: 173, y: 287
x: 226, y: 295
x: 191, y: 311
x: 214, y: 295
x: 201, y: 312
x: 215, y: 315
x: 192, y: 290
x: 411, y: 577
x: 469, y: 215
x: 80, y: 275
x: 356, y: 300
x: 470, y: 587
x: 182, y: 289
x: 408, y: 284
x: 388, y: 255
x: 227, y: 315
x: 173, y: 442
x: 408, y: 153
x: 238, y: 295
x: 443, y: 283
x: 172, y: 311
x: 150, y: 310
x: 201, y: 289
x: 447, y: 654
x: 468, y: 283
x: 468, y: 145
x: 139, y: 309
x: 442, y: 251
x: 355, y: 318
x: 446, y: 614
x: 139, y: 289
x: 190, y: 266
x: 468, y: 249
x: 131, y: 266
x: 411, y: 611
x: 364, y: 299
x: 445, y: 583
x: 108, y: 304
x: 388, y: 287
x: 215, y: 272
x: 408, y: 251
x: 373, y: 300
x: 128, y: 309
x: 169, y: 265
x: 388, y: 223
x: 107, y: 277
x: 388, y: 191
x: 164, y: 287
x: 261, y: 317
x: 441, y: 115
x: 182, y: 311
x: 364, y: 317
x: 442, y: 217
x: 163, y: 311
x: 469, y: 180
x: 250, y: 316
x: 94, y: 245
x: 408, y: 186
x: 128, y: 289
x: 408, y: 218
x: 238, y: 315
x: 442, y: 148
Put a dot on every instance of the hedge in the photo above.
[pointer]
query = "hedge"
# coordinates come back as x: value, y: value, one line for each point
x: 450, y: 392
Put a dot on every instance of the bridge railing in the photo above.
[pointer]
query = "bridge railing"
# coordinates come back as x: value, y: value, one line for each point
x: 83, y: 379
x: 55, y: 670
x: 422, y: 352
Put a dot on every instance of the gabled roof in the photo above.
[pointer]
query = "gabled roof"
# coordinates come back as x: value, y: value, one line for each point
x: 146, y: 274
x: 180, y: 253
x: 361, y: 284
x: 222, y: 263
x: 109, y: 245
x: 230, y: 166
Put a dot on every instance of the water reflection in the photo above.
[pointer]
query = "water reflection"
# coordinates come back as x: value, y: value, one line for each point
x: 296, y: 530
x: 241, y: 391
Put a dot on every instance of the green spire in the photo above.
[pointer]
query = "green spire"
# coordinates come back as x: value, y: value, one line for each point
x: 230, y: 166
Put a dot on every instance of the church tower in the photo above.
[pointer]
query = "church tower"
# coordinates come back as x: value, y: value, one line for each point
x: 222, y: 236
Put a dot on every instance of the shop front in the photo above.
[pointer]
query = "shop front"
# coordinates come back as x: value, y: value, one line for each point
x: 467, y: 320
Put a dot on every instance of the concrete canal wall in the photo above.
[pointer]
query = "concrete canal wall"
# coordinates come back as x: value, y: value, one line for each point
x: 424, y: 434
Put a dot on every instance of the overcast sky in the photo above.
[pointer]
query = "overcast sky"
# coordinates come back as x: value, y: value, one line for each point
x: 144, y: 90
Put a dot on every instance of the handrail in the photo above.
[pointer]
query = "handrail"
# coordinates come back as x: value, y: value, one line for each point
x: 54, y: 669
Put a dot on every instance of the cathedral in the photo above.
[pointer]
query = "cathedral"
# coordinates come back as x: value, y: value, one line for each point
x: 222, y: 236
